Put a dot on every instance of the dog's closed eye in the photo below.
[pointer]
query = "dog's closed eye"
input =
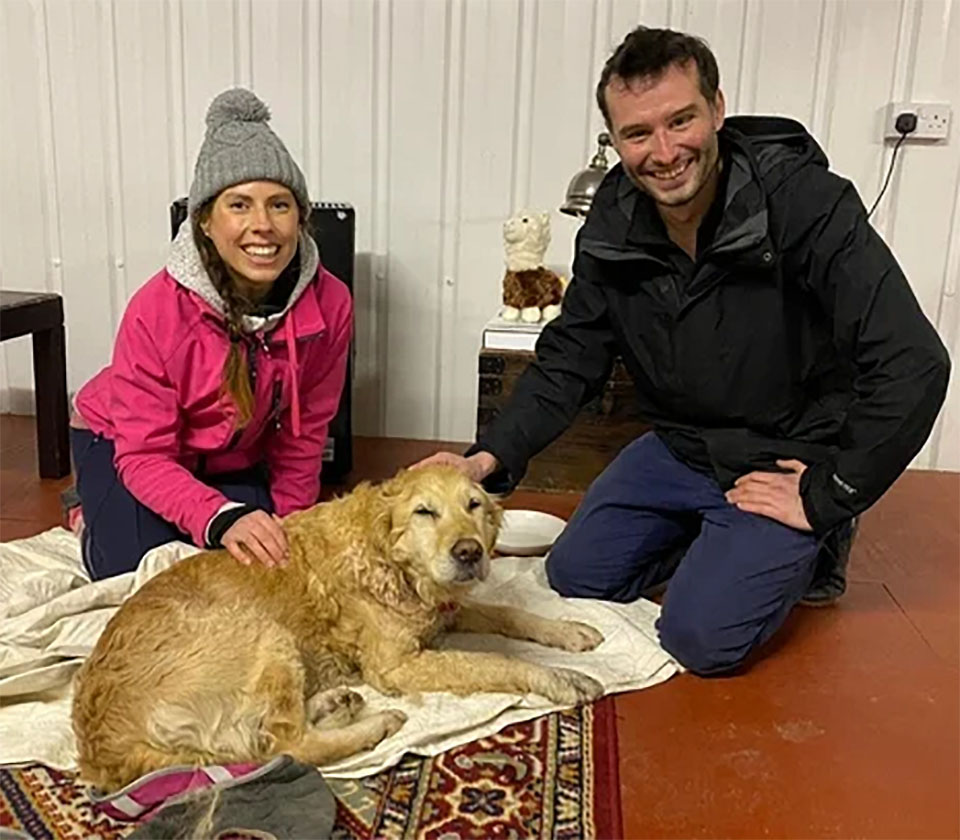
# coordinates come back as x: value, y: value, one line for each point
x: 423, y: 510
x: 474, y: 504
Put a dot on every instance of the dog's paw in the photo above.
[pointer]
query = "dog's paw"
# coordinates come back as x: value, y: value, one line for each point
x: 577, y: 637
x: 379, y: 726
x: 571, y: 688
x: 390, y: 721
x: 334, y: 708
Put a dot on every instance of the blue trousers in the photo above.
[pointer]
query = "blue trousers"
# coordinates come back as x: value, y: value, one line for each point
x: 118, y: 530
x: 649, y: 518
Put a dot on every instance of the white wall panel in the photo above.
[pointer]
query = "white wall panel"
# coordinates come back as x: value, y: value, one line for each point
x: 78, y: 60
x: 148, y: 125
x: 278, y: 65
x: 214, y: 41
x: 562, y: 95
x: 786, y: 47
x: 943, y: 448
x: 926, y: 234
x: 436, y: 119
x: 490, y: 97
x: 415, y: 146
x: 721, y: 24
x: 347, y: 101
x: 927, y: 172
x: 851, y: 124
x: 563, y: 119
x: 626, y: 14
x: 26, y: 248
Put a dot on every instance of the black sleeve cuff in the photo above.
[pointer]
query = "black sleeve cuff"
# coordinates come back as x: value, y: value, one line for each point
x: 498, y: 483
x: 222, y: 521
x: 818, y: 491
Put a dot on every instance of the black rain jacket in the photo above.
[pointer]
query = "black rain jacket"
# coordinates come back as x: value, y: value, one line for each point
x: 794, y: 334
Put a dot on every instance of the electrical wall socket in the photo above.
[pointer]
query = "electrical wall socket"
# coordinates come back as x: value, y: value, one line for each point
x: 933, y: 120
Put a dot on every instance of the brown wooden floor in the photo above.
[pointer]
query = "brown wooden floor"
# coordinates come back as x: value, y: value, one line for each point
x: 848, y: 727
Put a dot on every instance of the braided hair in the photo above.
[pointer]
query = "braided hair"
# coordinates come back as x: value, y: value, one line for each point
x: 236, y: 373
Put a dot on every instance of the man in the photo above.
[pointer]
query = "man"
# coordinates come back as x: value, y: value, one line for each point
x: 777, y: 349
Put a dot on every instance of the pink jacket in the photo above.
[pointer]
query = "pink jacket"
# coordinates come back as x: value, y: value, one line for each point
x: 160, y: 398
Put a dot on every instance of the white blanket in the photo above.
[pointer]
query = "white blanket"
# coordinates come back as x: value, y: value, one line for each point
x: 51, y: 616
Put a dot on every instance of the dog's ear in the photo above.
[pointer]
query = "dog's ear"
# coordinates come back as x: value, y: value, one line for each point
x: 386, y: 582
x: 384, y: 576
x: 492, y: 518
x: 383, y: 532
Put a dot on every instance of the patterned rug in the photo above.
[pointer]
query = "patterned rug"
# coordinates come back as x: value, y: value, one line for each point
x: 552, y: 777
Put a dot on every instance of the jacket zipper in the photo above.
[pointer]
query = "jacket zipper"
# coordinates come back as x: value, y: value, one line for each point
x: 252, y: 377
x: 275, y: 403
x: 259, y: 341
x: 276, y: 393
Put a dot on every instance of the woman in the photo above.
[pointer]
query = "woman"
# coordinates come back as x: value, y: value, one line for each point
x: 210, y: 421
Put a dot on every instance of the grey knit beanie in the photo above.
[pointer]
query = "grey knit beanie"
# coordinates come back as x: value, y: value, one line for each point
x: 239, y: 146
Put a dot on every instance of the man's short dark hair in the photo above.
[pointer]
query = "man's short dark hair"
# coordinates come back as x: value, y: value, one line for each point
x: 647, y: 53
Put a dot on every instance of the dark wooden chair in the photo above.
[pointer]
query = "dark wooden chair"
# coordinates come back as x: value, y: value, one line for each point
x: 40, y: 315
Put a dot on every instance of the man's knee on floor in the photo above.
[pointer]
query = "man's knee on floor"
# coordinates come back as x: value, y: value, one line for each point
x: 570, y: 571
x: 565, y: 571
x: 697, y: 646
x: 571, y: 575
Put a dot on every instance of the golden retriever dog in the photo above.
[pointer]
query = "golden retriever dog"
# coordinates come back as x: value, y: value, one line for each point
x: 212, y: 661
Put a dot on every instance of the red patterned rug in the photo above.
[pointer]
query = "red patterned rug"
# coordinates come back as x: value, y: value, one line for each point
x: 553, y: 777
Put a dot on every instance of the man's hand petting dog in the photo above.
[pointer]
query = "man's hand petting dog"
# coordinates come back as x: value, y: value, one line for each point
x: 477, y: 467
x: 257, y: 536
x: 775, y: 495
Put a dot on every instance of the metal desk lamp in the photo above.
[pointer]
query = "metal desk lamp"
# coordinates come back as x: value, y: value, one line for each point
x: 584, y: 184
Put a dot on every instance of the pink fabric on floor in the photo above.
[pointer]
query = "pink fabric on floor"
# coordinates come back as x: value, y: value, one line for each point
x: 75, y: 520
x: 142, y: 797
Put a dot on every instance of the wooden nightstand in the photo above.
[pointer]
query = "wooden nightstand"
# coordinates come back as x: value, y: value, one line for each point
x: 40, y: 315
x: 604, y: 426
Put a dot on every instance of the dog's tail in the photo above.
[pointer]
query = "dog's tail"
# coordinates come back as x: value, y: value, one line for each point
x: 224, y: 727
x: 194, y: 732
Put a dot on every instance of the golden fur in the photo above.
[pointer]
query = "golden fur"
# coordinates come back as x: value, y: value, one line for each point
x: 212, y: 661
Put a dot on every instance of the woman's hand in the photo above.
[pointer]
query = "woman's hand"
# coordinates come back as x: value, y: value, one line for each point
x: 257, y: 536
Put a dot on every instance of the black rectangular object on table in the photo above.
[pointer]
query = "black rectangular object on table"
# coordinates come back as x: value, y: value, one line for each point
x: 333, y: 227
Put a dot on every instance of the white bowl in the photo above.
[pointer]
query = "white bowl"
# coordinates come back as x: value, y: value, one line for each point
x: 528, y: 532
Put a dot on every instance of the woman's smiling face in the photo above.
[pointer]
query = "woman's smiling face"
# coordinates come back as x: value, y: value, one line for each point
x: 255, y: 227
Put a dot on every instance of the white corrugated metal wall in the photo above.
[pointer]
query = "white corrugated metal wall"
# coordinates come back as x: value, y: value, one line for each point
x: 436, y: 119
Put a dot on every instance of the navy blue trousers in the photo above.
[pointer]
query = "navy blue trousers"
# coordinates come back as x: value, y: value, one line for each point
x: 118, y: 530
x: 649, y: 518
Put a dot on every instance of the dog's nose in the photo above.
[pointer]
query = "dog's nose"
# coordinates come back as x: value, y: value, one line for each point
x: 467, y: 551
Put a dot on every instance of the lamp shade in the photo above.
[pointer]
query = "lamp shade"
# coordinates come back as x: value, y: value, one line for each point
x: 583, y: 185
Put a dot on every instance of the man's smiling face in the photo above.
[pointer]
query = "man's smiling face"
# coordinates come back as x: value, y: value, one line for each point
x: 665, y: 132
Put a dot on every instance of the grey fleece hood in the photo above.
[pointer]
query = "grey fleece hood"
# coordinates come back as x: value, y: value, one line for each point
x: 186, y: 267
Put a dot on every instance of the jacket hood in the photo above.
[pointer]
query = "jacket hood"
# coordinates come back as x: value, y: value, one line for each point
x: 779, y: 147
x: 762, y: 153
x: 186, y: 267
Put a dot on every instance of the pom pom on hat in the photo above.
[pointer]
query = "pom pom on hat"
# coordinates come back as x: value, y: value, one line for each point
x: 237, y: 105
